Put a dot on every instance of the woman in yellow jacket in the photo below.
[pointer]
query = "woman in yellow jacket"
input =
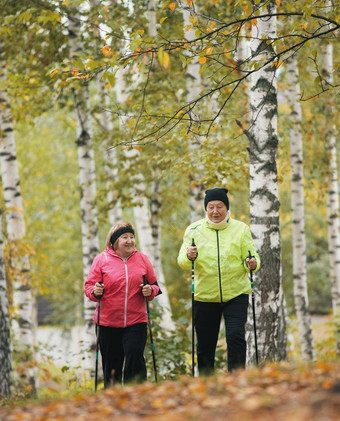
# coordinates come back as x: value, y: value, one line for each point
x: 222, y: 285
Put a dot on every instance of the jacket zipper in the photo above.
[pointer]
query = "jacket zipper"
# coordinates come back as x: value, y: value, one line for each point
x: 126, y: 292
x: 126, y: 286
x: 219, y: 266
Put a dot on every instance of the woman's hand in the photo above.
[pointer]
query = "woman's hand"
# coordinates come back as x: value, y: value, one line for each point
x: 192, y: 252
x: 251, y: 263
x: 146, y: 290
x: 98, y: 290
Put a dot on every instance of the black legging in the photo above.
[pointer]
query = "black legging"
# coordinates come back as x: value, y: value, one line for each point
x: 207, y: 325
x: 123, y: 346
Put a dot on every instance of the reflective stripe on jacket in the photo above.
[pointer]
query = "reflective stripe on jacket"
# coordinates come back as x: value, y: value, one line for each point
x: 220, y: 269
x: 123, y: 303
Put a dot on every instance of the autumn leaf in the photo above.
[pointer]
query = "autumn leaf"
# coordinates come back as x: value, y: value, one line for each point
x: 166, y: 60
x: 54, y: 72
x: 172, y: 6
x: 106, y: 50
x: 254, y: 22
x: 202, y: 60
x: 189, y: 3
x: 75, y: 71
x: 209, y: 50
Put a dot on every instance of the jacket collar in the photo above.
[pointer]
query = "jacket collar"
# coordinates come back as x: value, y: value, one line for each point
x: 220, y: 225
x: 109, y: 250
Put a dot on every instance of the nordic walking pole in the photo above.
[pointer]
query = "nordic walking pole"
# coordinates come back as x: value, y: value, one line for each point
x: 192, y: 313
x: 97, y: 345
x: 145, y: 282
x: 253, y: 304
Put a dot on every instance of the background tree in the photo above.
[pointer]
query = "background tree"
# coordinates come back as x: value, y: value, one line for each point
x: 298, y: 229
x: 5, y: 338
x: 87, y: 177
x: 19, y: 270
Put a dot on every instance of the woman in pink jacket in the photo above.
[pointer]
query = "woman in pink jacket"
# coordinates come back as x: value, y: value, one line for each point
x: 116, y: 279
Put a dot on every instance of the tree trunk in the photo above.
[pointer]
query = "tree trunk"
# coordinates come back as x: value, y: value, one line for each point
x: 194, y: 87
x: 147, y: 224
x: 264, y: 202
x: 162, y: 300
x: 5, y: 338
x: 332, y: 193
x: 19, y: 261
x: 111, y: 163
x: 87, y: 180
x: 298, y: 219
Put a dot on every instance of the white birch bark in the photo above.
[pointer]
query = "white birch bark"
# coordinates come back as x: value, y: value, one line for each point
x: 87, y: 180
x: 193, y: 87
x: 22, y: 322
x: 298, y: 218
x: 111, y: 162
x: 264, y: 202
x: 5, y: 338
x: 149, y: 240
x: 147, y: 225
x: 110, y: 155
x: 332, y: 195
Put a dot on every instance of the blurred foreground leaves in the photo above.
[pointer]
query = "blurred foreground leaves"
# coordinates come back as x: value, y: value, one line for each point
x: 278, y: 391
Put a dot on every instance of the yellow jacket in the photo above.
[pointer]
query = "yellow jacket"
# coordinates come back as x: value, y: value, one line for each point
x: 221, y: 272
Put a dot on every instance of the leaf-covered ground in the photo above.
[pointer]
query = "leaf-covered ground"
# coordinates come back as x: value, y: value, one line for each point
x: 275, y: 392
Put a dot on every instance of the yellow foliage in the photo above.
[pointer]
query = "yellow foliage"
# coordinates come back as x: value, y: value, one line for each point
x: 106, y: 50
x: 166, y: 60
x: 54, y: 72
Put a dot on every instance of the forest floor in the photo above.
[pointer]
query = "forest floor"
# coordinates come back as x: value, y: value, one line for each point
x: 282, y: 391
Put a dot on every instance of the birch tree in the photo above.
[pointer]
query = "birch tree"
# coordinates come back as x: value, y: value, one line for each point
x: 332, y: 190
x: 264, y: 202
x: 87, y: 180
x: 193, y: 87
x: 298, y: 219
x: 22, y: 322
x: 5, y: 338
x: 147, y: 220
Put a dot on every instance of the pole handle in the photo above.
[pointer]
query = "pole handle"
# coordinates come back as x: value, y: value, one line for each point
x: 101, y: 283
x: 250, y: 257
x: 145, y: 281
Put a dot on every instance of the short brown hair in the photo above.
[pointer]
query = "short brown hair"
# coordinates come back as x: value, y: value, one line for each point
x: 115, y: 228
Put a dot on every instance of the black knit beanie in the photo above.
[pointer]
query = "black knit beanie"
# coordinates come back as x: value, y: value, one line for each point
x: 216, y: 194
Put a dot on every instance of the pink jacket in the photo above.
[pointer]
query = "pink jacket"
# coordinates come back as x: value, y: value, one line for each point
x: 123, y: 303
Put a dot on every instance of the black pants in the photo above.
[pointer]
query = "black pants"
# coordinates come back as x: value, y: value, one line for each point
x: 207, y: 317
x: 123, y: 346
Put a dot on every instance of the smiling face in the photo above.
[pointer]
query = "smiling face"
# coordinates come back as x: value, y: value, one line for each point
x: 125, y: 245
x: 216, y: 211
